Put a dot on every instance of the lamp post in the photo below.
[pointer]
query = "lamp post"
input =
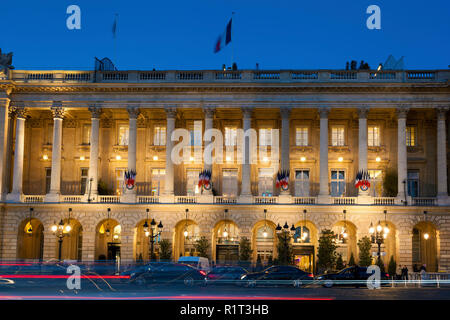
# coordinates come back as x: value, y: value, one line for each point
x: 30, y: 228
x: 265, y: 224
x: 152, y: 233
x: 287, y: 233
x: 378, y: 234
x: 60, y: 231
x: 343, y: 235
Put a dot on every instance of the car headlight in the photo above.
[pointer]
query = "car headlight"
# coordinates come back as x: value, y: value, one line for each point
x: 243, y: 277
x: 133, y: 274
x: 320, y: 278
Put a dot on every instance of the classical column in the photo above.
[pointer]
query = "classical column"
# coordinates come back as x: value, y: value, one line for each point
x: 362, y: 148
x: 246, y: 192
x: 442, y: 191
x: 133, y: 113
x: 91, y: 191
x: 285, y: 143
x: 4, y: 124
x: 16, y: 191
x: 9, y: 149
x: 402, y: 167
x: 209, y: 116
x: 324, y: 193
x: 171, y: 114
x: 55, y: 179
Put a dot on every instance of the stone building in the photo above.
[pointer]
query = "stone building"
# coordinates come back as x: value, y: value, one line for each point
x: 67, y: 138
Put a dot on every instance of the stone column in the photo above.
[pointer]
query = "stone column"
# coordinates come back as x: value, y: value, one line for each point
x: 91, y: 190
x: 246, y: 192
x: 442, y: 192
x: 402, y: 160
x: 16, y: 191
x: 285, y: 144
x: 9, y: 149
x: 4, y: 104
x: 129, y: 196
x: 209, y: 117
x: 55, y: 180
x: 362, y: 151
x: 171, y: 113
x: 324, y: 193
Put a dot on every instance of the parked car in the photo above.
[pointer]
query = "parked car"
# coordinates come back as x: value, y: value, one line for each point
x: 168, y: 273
x: 200, y: 263
x: 351, y: 276
x: 225, y: 274
x: 278, y: 275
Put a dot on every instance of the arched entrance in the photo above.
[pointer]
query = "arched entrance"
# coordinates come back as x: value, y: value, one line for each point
x: 264, y: 241
x: 305, y: 240
x: 226, y: 242
x: 72, y: 241
x: 346, y: 241
x: 107, y: 240
x: 186, y: 234
x: 424, y: 246
x: 30, y: 239
x: 142, y: 243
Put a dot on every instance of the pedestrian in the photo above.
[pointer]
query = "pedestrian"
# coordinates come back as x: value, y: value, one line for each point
x: 405, y: 273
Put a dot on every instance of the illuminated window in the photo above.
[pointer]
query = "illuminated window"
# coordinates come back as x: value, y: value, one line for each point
x: 192, y: 188
x: 229, y: 182
x: 86, y: 134
x: 159, y: 136
x: 302, y: 183
x: 158, y: 178
x: 119, y: 181
x: 123, y: 135
x: 411, y: 133
x: 84, y: 179
x: 337, y: 183
x: 301, y: 136
x: 337, y: 136
x: 265, y: 182
x: 230, y: 136
x: 265, y: 137
x: 376, y: 183
x: 373, y: 136
x: 195, y: 133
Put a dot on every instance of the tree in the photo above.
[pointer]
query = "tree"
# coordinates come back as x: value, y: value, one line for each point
x: 326, y: 254
x: 245, y: 250
x: 380, y: 264
x: 365, y: 245
x: 351, y: 262
x: 284, y: 248
x: 339, y: 262
x: 202, y: 246
x: 392, y: 267
x: 165, y: 249
x: 390, y: 185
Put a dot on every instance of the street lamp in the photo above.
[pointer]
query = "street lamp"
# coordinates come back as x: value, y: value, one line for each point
x: 225, y: 232
x: 60, y: 231
x: 30, y: 228
x: 186, y: 233
x: 426, y: 235
x: 379, y: 234
x: 152, y: 233
x: 343, y: 235
x: 265, y: 224
x: 287, y: 233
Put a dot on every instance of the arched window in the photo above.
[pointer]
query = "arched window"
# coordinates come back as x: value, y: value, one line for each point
x: 298, y: 235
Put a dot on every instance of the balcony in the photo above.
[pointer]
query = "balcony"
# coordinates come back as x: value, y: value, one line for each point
x: 147, y: 199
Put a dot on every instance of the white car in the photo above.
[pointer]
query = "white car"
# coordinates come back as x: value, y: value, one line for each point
x: 200, y: 263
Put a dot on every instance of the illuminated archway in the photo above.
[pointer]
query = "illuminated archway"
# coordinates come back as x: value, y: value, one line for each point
x: 186, y: 233
x: 304, y: 244
x: 30, y: 239
x: 225, y: 242
x: 346, y: 240
x: 72, y: 241
x: 424, y: 246
x: 264, y: 241
x: 107, y: 240
x: 142, y: 244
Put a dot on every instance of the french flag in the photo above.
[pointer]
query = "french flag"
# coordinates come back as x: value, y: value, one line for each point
x: 224, y: 38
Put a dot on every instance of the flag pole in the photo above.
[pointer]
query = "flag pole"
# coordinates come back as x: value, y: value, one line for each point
x: 232, y: 39
x: 115, y: 40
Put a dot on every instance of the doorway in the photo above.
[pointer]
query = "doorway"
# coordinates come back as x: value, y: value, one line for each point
x: 304, y: 258
x: 113, y: 251
x: 227, y: 253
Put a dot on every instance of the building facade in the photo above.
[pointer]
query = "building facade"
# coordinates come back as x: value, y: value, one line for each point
x: 68, y: 137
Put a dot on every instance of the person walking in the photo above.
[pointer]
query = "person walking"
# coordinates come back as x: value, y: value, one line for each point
x: 405, y: 273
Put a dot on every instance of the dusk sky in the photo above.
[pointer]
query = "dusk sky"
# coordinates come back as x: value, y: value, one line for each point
x: 181, y: 34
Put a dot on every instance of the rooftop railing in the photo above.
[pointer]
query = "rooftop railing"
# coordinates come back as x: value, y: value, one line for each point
x: 219, y: 76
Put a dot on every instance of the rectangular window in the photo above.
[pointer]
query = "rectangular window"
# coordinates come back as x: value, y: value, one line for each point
x: 229, y: 182
x: 265, y: 182
x: 337, y: 136
x: 192, y: 188
x: 373, y: 136
x: 86, y: 139
x: 413, y: 183
x: 120, y: 181
x: 265, y: 137
x: 195, y: 133
x: 230, y: 136
x: 301, y: 136
x: 411, y: 136
x: 48, y: 177
x: 123, y: 135
x: 159, y: 136
x: 158, y: 178
x: 302, y: 183
x: 84, y: 180
x: 337, y: 183
x: 376, y: 183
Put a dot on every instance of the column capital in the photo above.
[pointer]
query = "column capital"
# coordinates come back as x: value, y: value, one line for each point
x: 441, y: 113
x: 247, y: 111
x: 402, y: 112
x: 285, y: 112
x: 133, y: 112
x: 323, y: 112
x: 209, y: 111
x: 171, y: 112
x: 95, y: 111
x: 20, y: 112
x: 57, y: 110
x: 363, y: 112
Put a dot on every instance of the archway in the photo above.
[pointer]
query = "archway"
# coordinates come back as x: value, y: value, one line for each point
x: 264, y: 242
x: 186, y: 233
x: 304, y: 244
x: 142, y: 242
x: 30, y: 239
x: 107, y: 240
x: 226, y: 242
x: 346, y: 240
x: 424, y: 246
x: 72, y: 241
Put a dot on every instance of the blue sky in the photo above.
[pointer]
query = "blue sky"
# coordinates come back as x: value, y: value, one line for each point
x: 169, y: 34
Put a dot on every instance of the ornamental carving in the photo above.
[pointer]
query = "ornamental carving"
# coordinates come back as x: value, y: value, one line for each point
x: 57, y: 111
x: 336, y: 149
x: 402, y: 112
x: 323, y: 112
x: 247, y: 111
x: 35, y: 123
x: 209, y: 112
x: 133, y: 112
x: 106, y: 123
x: 285, y: 112
x: 20, y: 112
x: 441, y: 113
x: 415, y: 149
x: 141, y: 121
x: 70, y: 123
x: 171, y: 112
x: 96, y: 112
x: 363, y: 112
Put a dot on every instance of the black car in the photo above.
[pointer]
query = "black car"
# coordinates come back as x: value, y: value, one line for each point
x: 352, y: 276
x: 167, y: 273
x: 278, y: 275
x: 225, y: 274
